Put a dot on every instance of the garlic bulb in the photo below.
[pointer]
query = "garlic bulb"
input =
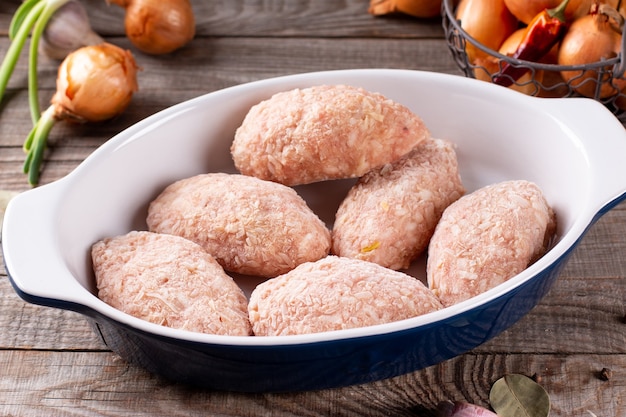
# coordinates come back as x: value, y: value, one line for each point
x: 67, y: 30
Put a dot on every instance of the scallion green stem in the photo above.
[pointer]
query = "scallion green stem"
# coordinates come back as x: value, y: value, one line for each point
x: 13, y: 53
x: 51, y: 6
x: 36, y: 144
x: 20, y: 15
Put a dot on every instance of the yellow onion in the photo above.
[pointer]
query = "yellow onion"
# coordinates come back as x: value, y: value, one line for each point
x: 526, y: 10
x: 487, y: 21
x: 591, y: 39
x: 158, y: 26
x: 417, y: 8
x: 94, y: 83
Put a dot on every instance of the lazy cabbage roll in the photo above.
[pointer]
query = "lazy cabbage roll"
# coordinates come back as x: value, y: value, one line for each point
x: 336, y: 293
x: 487, y: 237
x: 249, y: 225
x: 170, y: 281
x: 324, y: 132
x: 389, y: 216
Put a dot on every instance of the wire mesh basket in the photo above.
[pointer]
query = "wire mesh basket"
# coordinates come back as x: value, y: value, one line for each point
x: 542, y: 79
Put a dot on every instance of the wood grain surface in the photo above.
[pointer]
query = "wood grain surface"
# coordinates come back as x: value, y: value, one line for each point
x: 52, y: 364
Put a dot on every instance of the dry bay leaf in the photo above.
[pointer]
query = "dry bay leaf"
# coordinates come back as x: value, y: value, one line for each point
x: 517, y: 395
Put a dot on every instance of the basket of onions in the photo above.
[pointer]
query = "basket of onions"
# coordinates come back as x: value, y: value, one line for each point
x: 544, y: 48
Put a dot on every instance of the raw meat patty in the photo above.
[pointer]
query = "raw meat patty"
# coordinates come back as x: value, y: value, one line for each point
x: 336, y: 293
x: 487, y: 237
x: 170, y: 281
x: 250, y: 226
x: 323, y: 132
x: 389, y: 216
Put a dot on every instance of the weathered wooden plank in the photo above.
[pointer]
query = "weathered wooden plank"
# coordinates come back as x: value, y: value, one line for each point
x: 347, y: 18
x: 219, y: 62
x: 99, y: 384
x: 53, y: 364
x: 27, y: 326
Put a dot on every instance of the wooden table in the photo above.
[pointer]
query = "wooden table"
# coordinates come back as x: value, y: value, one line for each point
x: 52, y: 364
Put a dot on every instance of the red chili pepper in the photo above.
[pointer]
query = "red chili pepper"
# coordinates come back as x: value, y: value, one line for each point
x: 542, y: 33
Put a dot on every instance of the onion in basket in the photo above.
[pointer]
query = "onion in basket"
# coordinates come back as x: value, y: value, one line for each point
x: 592, y: 38
x: 525, y: 10
x: 488, y: 22
x: 417, y: 8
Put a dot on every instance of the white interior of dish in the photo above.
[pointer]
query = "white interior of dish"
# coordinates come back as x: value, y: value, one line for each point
x: 500, y: 135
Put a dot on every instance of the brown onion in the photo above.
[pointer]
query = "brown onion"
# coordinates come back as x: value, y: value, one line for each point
x: 488, y: 22
x: 158, y: 26
x: 590, y: 39
x: 525, y: 10
x: 417, y: 8
x: 94, y: 83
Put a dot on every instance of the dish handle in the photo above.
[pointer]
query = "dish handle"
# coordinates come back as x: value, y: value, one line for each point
x: 32, y: 260
x: 604, y: 139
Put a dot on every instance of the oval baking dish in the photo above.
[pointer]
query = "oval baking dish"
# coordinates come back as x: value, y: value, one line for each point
x: 500, y: 135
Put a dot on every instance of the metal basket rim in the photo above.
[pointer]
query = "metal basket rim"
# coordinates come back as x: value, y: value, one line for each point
x: 618, y: 64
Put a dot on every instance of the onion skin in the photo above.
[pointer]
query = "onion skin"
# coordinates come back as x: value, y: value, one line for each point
x: 590, y: 39
x: 158, y: 26
x: 488, y: 22
x: 614, y: 4
x: 526, y: 10
x: 416, y: 8
x: 95, y: 83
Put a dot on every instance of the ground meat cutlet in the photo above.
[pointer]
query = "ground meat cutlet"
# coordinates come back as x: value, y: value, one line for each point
x: 171, y: 281
x: 336, y: 293
x: 249, y: 225
x: 389, y: 216
x: 487, y: 237
x: 323, y: 132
